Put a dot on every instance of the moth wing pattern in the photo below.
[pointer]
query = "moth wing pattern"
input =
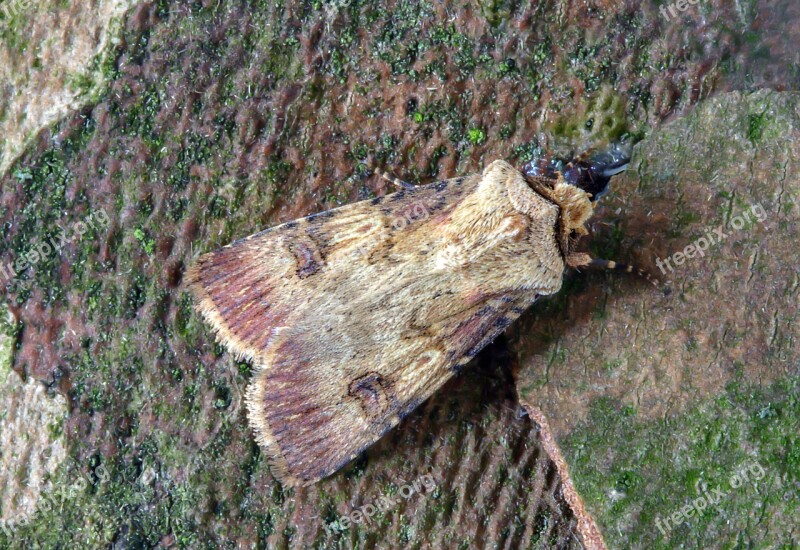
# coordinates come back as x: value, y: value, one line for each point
x: 354, y: 316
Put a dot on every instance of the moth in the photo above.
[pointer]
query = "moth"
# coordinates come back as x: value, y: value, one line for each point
x: 354, y: 316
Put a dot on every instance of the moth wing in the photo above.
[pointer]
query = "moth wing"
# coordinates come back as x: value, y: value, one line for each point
x: 347, y: 325
x: 313, y: 421
x: 265, y: 296
x: 256, y: 287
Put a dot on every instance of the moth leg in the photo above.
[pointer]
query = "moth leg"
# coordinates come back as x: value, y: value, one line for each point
x: 396, y: 181
x: 610, y: 265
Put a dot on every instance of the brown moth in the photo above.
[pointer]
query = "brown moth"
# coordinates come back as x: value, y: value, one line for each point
x: 354, y: 316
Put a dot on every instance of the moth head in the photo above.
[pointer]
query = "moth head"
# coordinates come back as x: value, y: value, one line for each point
x: 591, y: 171
x: 576, y: 208
x: 575, y: 204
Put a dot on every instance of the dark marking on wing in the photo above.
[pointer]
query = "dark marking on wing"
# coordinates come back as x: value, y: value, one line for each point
x: 372, y: 393
x: 473, y: 351
x: 321, y: 215
x: 502, y: 322
x: 317, y: 234
x: 308, y: 261
x: 483, y: 327
x: 440, y: 204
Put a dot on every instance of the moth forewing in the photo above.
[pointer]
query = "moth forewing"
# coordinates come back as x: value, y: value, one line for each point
x: 355, y: 316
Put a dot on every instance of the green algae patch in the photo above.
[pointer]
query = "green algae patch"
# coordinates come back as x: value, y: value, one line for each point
x: 600, y: 119
x: 724, y: 470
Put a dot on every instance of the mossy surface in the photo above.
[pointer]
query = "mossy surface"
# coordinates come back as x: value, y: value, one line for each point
x: 743, y: 444
x: 52, y: 58
x: 655, y: 395
x: 221, y: 118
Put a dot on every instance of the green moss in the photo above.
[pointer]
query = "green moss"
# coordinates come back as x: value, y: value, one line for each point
x: 627, y: 467
x: 495, y: 11
x: 14, y: 27
x: 148, y: 243
x: 755, y: 126
x: 476, y: 136
x: 604, y: 120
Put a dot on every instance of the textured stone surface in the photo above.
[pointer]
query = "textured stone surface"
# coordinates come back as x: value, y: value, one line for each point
x: 32, y: 442
x: 51, y: 54
x: 649, y: 393
x: 224, y: 117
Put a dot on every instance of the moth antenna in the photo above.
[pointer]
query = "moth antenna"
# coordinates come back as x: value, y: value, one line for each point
x: 400, y: 184
x: 610, y: 265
